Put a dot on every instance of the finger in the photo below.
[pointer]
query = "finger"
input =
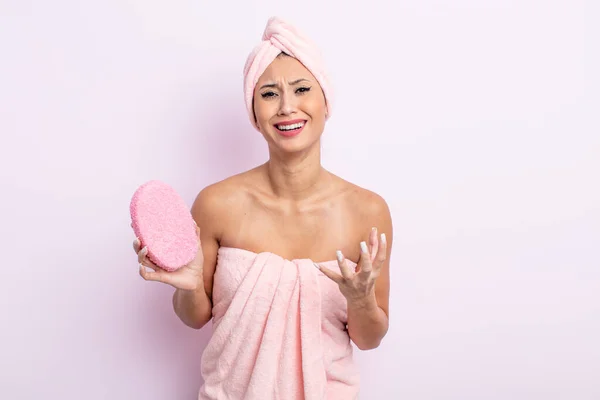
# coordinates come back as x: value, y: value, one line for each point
x: 365, y: 259
x: 151, y: 266
x: 136, y: 245
x: 157, y: 276
x: 373, y: 243
x: 142, y: 254
x: 143, y: 259
x: 346, y: 272
x: 381, y: 254
x: 337, y: 278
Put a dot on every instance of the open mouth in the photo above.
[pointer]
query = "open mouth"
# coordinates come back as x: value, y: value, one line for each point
x: 290, y: 128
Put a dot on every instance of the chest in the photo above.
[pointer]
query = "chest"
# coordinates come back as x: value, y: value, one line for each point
x: 311, y: 232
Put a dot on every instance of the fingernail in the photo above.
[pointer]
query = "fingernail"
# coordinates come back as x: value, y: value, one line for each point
x: 383, y: 237
x: 363, y: 247
x: 340, y: 256
x: 137, y: 241
x: 374, y: 229
x: 145, y: 250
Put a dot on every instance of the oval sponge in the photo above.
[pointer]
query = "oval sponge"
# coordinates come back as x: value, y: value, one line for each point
x: 163, y: 223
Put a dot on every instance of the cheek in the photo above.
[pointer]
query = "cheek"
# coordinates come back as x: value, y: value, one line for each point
x: 318, y: 110
x: 260, y: 111
x: 317, y: 106
x: 265, y: 108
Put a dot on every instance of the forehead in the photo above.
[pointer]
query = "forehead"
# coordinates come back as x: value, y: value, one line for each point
x: 285, y: 68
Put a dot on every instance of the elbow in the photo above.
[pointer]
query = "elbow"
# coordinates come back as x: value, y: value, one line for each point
x: 195, y: 319
x: 364, y: 346
x: 367, y: 343
x: 195, y: 324
x: 372, y: 340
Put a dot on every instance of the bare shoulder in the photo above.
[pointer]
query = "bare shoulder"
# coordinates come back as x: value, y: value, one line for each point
x: 217, y: 203
x: 364, y: 202
x: 366, y: 209
x: 215, y: 197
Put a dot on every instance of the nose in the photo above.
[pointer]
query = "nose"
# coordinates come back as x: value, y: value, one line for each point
x: 287, y: 103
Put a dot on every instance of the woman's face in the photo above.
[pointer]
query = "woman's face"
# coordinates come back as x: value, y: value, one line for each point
x: 289, y: 105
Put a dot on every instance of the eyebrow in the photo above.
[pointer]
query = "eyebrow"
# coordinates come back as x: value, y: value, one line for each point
x: 292, y: 83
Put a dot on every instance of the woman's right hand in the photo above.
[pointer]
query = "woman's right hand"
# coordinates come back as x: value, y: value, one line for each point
x: 188, y: 277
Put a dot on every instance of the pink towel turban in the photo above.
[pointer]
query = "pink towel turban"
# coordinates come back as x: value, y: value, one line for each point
x: 279, y: 36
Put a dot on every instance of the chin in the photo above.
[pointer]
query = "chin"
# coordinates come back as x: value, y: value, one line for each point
x: 294, y: 145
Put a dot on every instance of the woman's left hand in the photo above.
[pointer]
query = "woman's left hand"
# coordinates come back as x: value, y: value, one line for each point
x: 360, y: 284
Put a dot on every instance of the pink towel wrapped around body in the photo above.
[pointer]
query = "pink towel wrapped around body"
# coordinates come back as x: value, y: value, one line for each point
x: 279, y: 332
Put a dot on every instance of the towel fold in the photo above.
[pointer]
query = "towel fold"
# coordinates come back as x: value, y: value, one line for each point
x: 280, y: 36
x: 279, y: 332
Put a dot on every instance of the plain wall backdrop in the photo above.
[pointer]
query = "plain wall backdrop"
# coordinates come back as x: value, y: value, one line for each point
x: 476, y: 120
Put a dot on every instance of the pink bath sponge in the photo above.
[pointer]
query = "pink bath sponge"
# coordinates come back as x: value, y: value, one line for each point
x: 163, y: 223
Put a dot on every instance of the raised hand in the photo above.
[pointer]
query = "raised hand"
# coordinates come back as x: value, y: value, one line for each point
x: 360, y: 284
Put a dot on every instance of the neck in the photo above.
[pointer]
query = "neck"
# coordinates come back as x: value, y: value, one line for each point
x: 298, y: 176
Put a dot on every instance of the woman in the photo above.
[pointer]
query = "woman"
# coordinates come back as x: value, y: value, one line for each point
x: 282, y: 323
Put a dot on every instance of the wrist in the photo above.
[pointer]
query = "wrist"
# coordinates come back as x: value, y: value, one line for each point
x: 191, y: 289
x: 367, y: 302
x: 199, y: 279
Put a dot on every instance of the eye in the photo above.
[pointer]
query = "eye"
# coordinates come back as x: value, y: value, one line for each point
x: 302, y: 90
x: 267, y: 95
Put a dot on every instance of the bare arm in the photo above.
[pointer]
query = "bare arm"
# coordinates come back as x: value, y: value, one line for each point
x: 368, y: 317
x: 367, y: 290
x: 367, y: 322
x: 194, y: 307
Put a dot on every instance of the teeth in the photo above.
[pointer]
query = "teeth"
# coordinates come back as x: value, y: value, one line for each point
x: 290, y: 127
